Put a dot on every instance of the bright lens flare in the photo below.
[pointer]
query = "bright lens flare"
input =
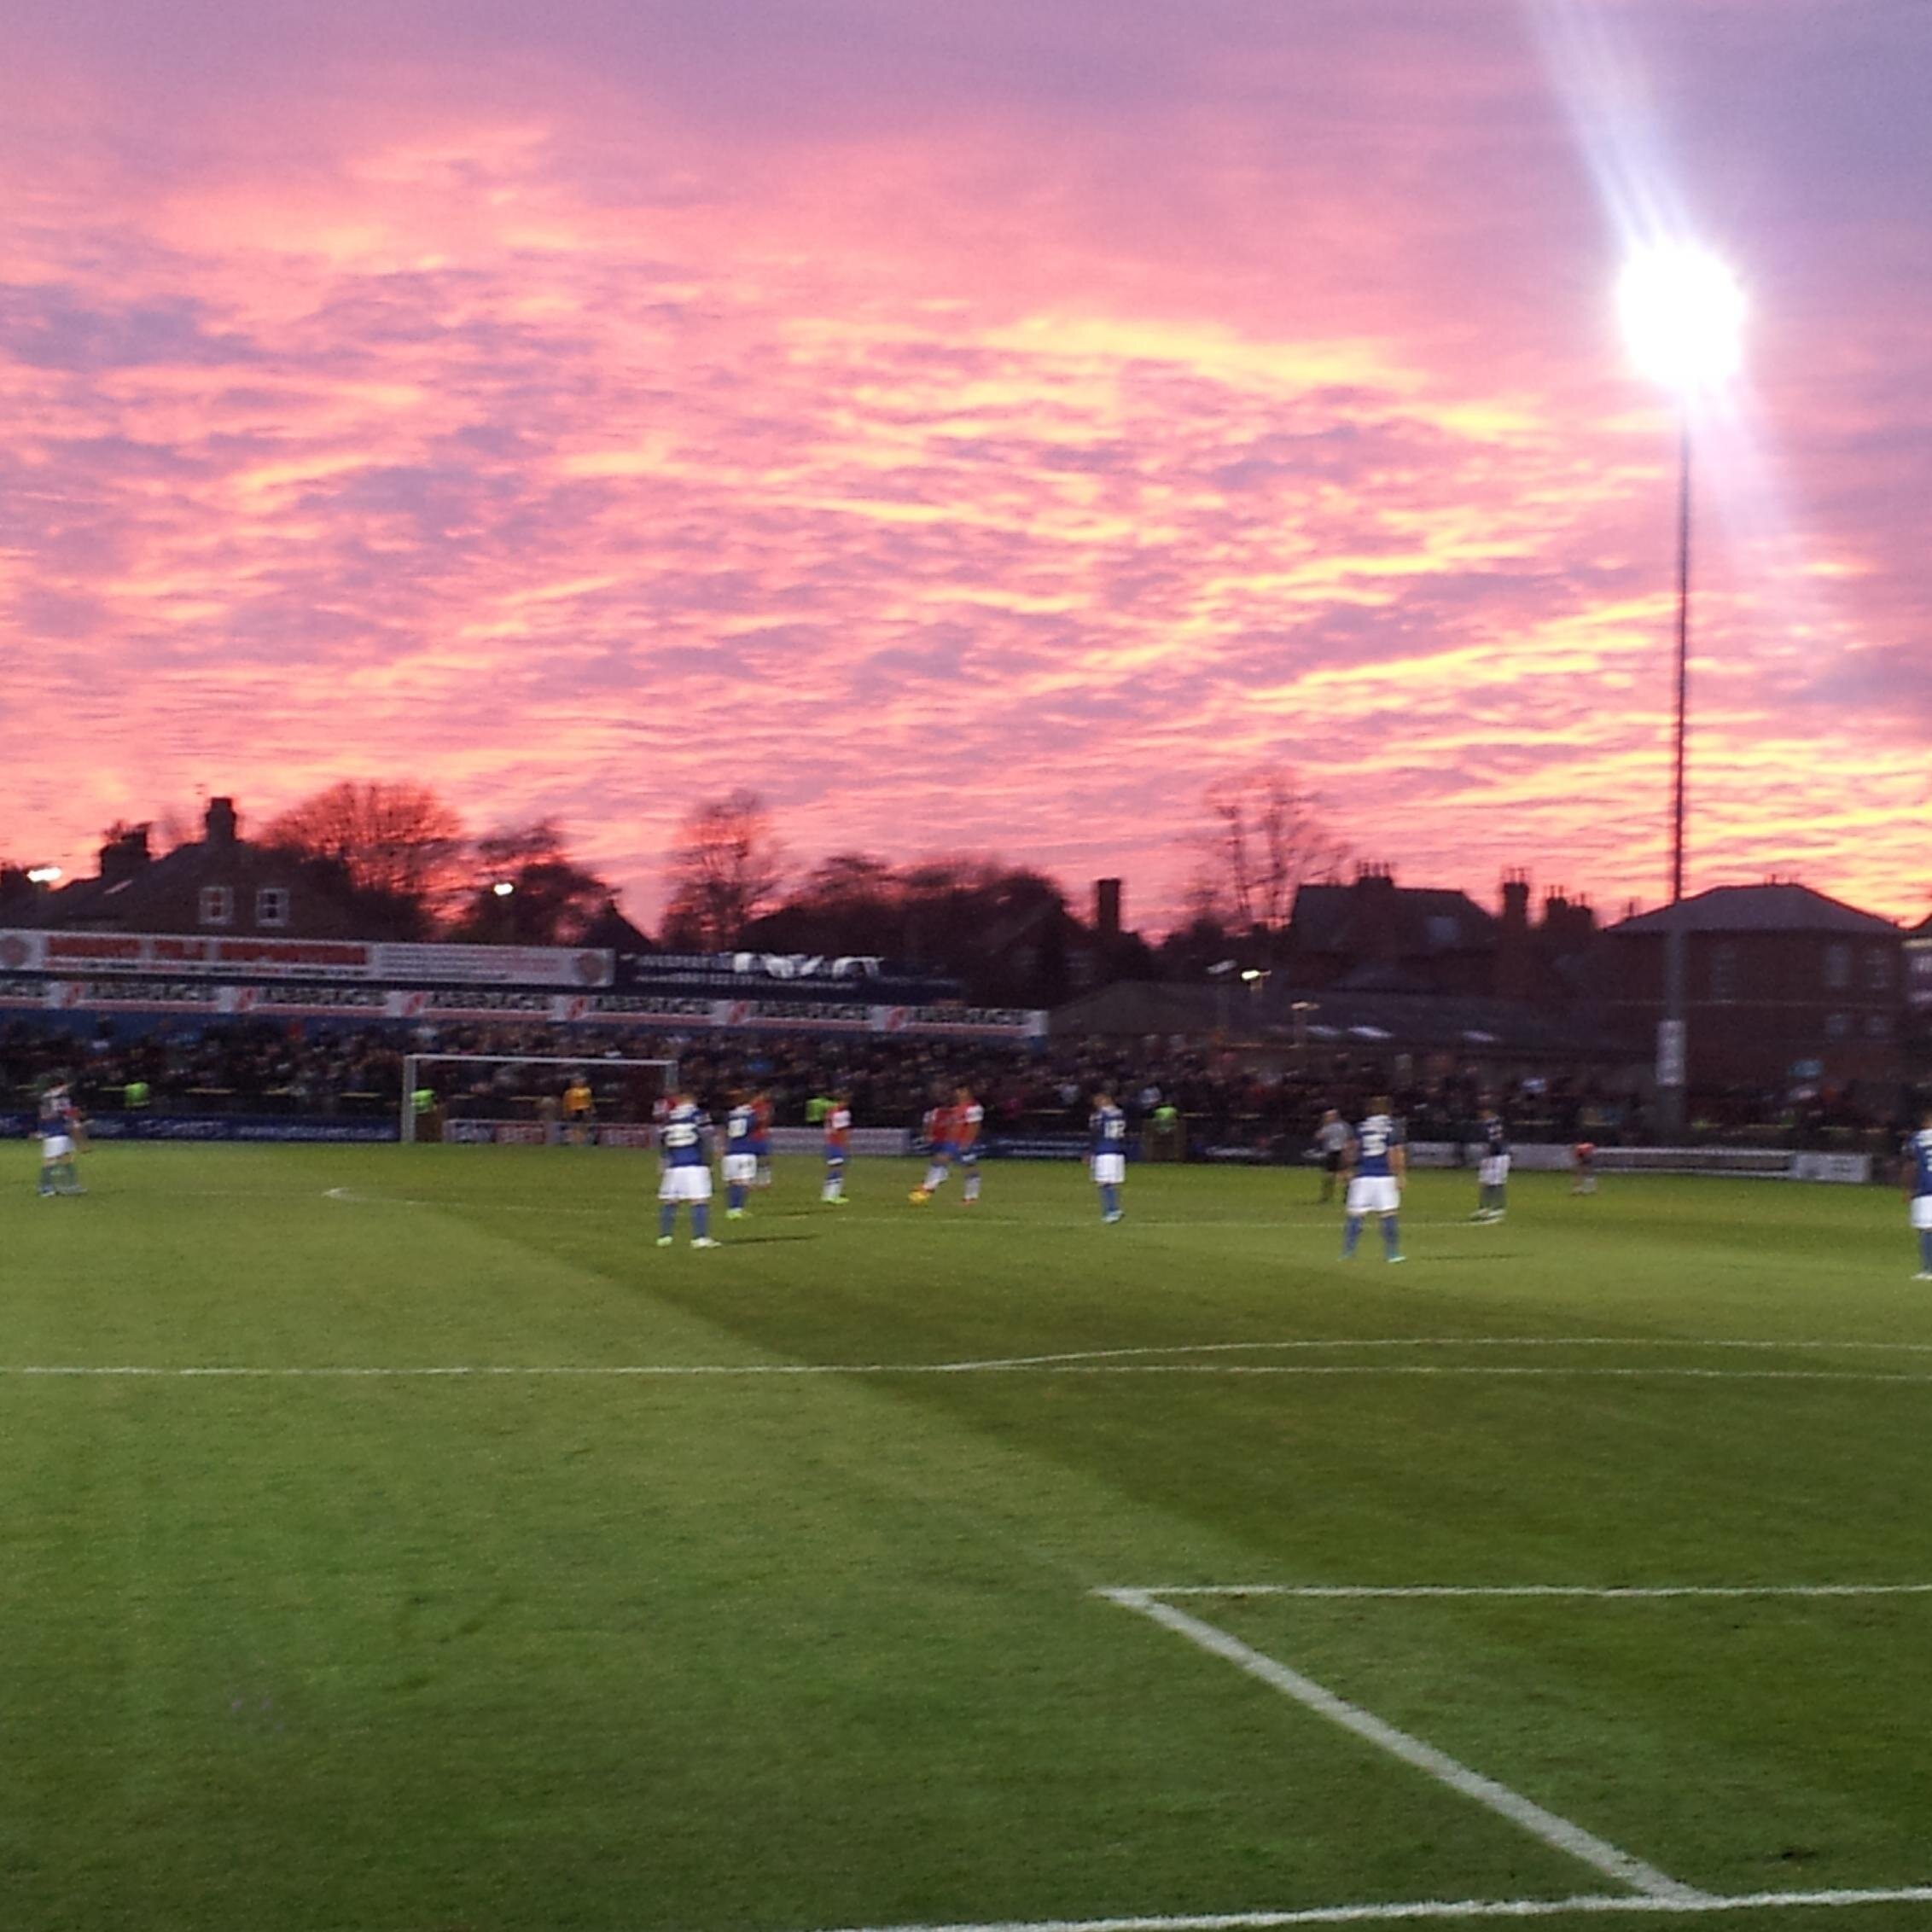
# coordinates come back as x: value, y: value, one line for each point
x: 1682, y: 316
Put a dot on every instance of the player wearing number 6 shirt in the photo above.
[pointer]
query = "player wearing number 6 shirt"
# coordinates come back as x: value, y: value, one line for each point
x: 741, y: 1154
x: 1918, y: 1191
x: 1376, y: 1165
x: 684, y: 1147
x: 1107, y: 1128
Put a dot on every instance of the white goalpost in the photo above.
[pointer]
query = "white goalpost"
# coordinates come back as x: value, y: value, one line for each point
x: 478, y: 1106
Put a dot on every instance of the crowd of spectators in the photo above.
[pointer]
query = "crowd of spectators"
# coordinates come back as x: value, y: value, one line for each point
x: 269, y: 1068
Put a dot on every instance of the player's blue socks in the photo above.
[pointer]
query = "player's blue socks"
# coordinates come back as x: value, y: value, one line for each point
x: 1350, y: 1233
x: 701, y: 1220
x: 666, y: 1219
x: 1391, y: 1245
x: 1109, y: 1199
x: 734, y: 1197
x: 1925, y: 1250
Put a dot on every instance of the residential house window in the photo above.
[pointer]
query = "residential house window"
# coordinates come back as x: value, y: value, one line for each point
x: 218, y: 905
x: 1836, y: 1025
x: 1878, y: 970
x: 1837, y: 967
x: 271, y: 907
x: 1724, y: 971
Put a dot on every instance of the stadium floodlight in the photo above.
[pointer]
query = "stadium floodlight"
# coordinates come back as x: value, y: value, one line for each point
x: 1682, y: 316
x: 502, y: 889
x: 43, y: 875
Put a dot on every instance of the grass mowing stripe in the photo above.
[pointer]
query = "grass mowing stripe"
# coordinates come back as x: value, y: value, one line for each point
x: 1559, y: 1832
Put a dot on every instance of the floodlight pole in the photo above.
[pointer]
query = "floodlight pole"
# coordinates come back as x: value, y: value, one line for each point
x: 1673, y: 1040
x: 1683, y: 646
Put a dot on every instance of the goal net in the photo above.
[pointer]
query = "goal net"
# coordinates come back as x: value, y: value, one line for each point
x: 533, y: 1099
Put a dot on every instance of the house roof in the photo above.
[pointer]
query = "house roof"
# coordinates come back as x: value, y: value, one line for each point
x: 1426, y: 919
x: 1780, y: 908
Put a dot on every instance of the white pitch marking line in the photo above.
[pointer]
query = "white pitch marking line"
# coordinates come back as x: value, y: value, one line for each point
x: 1437, y: 1909
x: 1601, y: 1593
x: 1559, y: 1832
x: 729, y: 1370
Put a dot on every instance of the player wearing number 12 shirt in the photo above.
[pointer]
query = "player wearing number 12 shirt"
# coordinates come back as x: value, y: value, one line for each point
x: 1376, y: 1165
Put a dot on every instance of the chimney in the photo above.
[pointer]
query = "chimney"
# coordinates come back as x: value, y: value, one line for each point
x: 1374, y: 922
x: 1514, y: 975
x: 1107, y: 910
x: 1569, y: 924
x: 222, y: 822
x: 124, y: 854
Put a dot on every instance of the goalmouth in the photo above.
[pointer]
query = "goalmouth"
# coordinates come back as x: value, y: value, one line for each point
x: 523, y: 1099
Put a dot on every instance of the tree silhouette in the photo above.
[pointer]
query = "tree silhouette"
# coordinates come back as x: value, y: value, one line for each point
x: 724, y: 871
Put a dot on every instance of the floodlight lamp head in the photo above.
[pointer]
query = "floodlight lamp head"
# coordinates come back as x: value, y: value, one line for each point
x: 1682, y: 316
x: 502, y: 889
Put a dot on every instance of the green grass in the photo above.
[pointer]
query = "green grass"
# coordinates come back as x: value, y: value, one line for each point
x: 782, y: 1651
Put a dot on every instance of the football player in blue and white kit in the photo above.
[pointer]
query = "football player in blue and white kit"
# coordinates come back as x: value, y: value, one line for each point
x: 1492, y: 1167
x: 685, y: 1147
x: 1918, y: 1191
x: 741, y: 1154
x: 1108, y: 1126
x: 59, y: 1137
x: 1376, y: 1165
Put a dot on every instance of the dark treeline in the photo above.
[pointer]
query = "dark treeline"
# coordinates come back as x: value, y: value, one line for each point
x: 400, y: 855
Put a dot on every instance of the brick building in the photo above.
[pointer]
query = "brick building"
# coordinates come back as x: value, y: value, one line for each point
x: 1372, y: 935
x: 1782, y: 986
x: 221, y: 883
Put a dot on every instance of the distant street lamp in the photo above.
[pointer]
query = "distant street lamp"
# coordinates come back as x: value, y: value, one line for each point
x: 502, y: 889
x: 42, y: 874
x: 1683, y: 316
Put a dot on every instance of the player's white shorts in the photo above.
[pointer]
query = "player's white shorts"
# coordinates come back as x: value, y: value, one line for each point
x: 1922, y: 1212
x: 55, y: 1147
x: 741, y: 1167
x: 685, y: 1184
x: 1492, y: 1170
x: 1373, y: 1194
x: 1109, y: 1170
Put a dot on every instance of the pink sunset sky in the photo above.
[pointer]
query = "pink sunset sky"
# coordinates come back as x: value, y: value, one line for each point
x: 973, y: 426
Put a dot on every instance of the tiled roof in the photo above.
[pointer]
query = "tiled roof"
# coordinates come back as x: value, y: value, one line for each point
x: 1782, y: 908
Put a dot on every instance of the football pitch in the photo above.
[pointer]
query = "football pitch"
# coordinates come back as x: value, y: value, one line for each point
x: 398, y: 1539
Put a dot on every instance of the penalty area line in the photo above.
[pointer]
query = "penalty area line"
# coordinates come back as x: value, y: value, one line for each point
x: 1135, y: 1598
x: 1400, y: 1912
x: 1560, y: 1834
